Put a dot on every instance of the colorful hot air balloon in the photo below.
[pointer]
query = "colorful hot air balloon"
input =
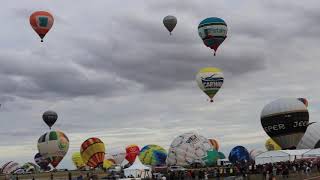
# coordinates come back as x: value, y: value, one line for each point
x: 132, y: 151
x: 271, y: 145
x: 214, y: 144
x: 211, y: 158
x: 9, y: 167
x: 92, y: 152
x: 107, y: 164
x: 187, y: 149
x: 153, y: 155
x: 213, y: 31
x: 304, y: 101
x: 239, y: 154
x: 41, y: 161
x: 77, y: 160
x: 210, y: 80
x: 311, y: 139
x: 50, y: 117
x: 41, y: 22
x: 53, y: 145
x: 170, y: 23
x: 285, y: 121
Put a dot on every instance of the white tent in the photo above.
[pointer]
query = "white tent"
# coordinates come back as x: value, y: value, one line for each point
x: 137, y: 169
x: 278, y: 156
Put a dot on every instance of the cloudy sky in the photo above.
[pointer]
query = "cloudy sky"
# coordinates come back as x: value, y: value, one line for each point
x: 110, y: 70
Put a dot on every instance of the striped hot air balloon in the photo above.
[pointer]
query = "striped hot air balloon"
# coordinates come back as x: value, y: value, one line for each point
x: 92, y: 152
x: 214, y: 144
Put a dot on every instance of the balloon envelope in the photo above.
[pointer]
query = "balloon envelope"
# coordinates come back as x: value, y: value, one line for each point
x: 213, y: 31
x: 304, y: 101
x: 214, y: 144
x: 187, y: 149
x: 132, y: 151
x: 253, y: 153
x: 153, y: 155
x: 285, y: 121
x: 271, y: 145
x: 311, y: 139
x: 118, y: 155
x: 9, y: 167
x: 50, y: 117
x: 239, y: 154
x: 221, y: 155
x: 53, y: 145
x: 211, y: 158
x: 170, y: 22
x: 41, y: 22
x: 77, y: 160
x: 210, y: 80
x: 93, y: 152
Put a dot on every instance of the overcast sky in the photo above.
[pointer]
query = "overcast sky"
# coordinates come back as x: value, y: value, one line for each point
x: 110, y: 70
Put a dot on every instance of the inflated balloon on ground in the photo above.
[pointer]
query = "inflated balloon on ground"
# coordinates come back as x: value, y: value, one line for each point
x: 153, y: 155
x: 92, y: 152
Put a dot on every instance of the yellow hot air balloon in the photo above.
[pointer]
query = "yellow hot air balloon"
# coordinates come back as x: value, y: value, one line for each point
x: 77, y: 160
x: 92, y: 152
x: 107, y: 164
x: 271, y: 145
x: 210, y: 80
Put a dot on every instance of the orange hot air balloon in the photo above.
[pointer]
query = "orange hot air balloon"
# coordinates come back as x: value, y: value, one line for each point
x: 92, y: 152
x: 132, y: 152
x: 214, y: 144
x: 41, y: 22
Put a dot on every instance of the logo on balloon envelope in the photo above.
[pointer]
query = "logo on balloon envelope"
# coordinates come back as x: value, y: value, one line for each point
x: 212, y: 82
x: 43, y: 21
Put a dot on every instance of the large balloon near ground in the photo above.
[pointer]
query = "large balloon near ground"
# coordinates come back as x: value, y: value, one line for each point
x: 41, y: 22
x: 213, y: 31
x: 53, y: 145
x: 132, y: 151
x: 187, y: 149
x: 239, y: 154
x: 118, y: 155
x: 212, y: 157
x: 210, y: 80
x: 311, y: 139
x: 50, y: 117
x: 285, y: 121
x: 254, y: 153
x: 92, y: 152
x: 153, y: 155
x: 77, y: 160
x: 170, y: 23
x: 9, y: 167
x: 271, y: 145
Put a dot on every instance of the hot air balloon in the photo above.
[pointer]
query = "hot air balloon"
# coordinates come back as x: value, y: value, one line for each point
x: 271, y: 145
x: 285, y: 121
x: 210, y: 80
x: 187, y: 149
x: 41, y: 22
x: 214, y: 144
x: 221, y: 155
x: 153, y: 155
x: 170, y: 23
x: 239, y: 154
x: 213, y: 31
x: 77, y: 160
x: 311, y: 139
x: 304, y: 101
x: 29, y: 167
x: 211, y: 158
x: 132, y: 151
x: 50, y: 117
x: 41, y: 161
x: 92, y: 152
x: 118, y: 155
x: 107, y: 164
x: 9, y: 167
x: 53, y: 145
x: 253, y: 153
